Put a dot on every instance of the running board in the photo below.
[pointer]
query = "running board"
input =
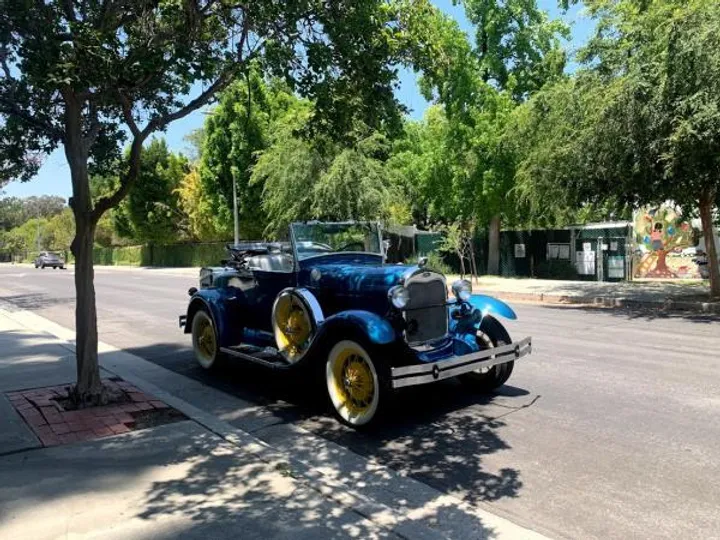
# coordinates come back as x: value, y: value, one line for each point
x: 273, y: 362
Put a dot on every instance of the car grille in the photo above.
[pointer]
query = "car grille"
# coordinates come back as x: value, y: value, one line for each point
x: 426, y: 314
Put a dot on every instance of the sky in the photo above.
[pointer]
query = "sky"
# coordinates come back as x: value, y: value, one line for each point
x: 54, y: 176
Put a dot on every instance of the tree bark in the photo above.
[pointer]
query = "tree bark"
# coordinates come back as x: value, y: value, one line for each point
x: 706, y: 206
x: 89, y: 386
x: 494, y: 246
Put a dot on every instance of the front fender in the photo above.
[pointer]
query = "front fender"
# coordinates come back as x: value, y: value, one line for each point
x: 374, y: 327
x: 490, y: 305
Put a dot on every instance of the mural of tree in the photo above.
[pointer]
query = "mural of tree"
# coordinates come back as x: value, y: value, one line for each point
x: 660, y: 230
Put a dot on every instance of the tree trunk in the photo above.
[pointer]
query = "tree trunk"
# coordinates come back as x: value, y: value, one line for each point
x: 88, y: 386
x: 706, y: 206
x: 494, y: 246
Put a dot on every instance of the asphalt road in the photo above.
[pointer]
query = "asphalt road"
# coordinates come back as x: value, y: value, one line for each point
x: 609, y: 430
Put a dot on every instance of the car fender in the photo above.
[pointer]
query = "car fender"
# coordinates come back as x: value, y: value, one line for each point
x: 488, y: 305
x: 213, y: 300
x: 376, y: 329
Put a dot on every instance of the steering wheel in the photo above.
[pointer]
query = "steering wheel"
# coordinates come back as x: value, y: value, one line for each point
x: 349, y: 245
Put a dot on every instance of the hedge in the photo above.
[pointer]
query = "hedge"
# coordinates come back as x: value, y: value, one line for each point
x: 177, y: 255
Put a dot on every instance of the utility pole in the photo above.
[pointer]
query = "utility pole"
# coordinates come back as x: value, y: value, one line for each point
x: 236, y: 225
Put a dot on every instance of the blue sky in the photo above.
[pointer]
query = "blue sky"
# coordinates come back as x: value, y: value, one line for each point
x: 54, y: 176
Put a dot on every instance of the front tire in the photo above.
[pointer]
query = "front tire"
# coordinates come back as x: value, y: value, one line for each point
x: 205, y: 340
x: 490, y: 334
x: 357, y: 385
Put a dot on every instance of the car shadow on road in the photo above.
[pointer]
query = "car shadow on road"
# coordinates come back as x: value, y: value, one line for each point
x: 439, y: 434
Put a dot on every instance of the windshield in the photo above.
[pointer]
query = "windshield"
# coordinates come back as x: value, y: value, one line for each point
x: 312, y: 239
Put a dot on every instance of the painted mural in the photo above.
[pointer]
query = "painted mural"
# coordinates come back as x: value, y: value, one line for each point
x: 661, y: 239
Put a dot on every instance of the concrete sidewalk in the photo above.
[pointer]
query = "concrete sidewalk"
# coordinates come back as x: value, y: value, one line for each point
x: 655, y: 294
x: 201, y: 478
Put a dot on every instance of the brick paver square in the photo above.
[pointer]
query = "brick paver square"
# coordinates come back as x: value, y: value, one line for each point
x: 85, y: 435
x: 68, y: 438
x: 124, y: 418
x: 53, y: 425
x: 60, y: 429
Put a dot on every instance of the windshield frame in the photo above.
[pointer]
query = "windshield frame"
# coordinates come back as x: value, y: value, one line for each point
x: 294, y: 241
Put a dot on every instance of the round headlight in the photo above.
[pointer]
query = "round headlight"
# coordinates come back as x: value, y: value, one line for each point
x: 462, y: 289
x: 399, y: 296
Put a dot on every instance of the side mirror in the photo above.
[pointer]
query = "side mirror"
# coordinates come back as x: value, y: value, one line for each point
x: 422, y: 261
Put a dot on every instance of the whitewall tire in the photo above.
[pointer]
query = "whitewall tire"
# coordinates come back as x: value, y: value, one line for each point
x: 353, y: 384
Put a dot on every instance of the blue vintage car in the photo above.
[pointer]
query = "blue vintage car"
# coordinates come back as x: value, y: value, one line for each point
x: 327, y: 300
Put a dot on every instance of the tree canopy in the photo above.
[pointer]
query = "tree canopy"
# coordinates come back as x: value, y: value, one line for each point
x: 640, y: 124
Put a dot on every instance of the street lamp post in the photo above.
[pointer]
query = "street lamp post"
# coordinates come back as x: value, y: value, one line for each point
x: 236, y: 225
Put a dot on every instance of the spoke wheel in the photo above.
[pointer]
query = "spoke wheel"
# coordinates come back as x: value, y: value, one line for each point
x: 352, y: 383
x: 491, y: 334
x: 204, y: 338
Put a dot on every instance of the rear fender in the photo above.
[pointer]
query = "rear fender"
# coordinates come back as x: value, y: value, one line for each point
x: 213, y: 301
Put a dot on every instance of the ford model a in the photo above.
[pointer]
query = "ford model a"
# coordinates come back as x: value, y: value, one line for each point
x: 327, y: 300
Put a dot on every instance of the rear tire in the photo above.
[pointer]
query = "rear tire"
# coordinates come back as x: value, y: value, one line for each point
x: 205, y: 340
x: 490, y: 334
x: 357, y: 383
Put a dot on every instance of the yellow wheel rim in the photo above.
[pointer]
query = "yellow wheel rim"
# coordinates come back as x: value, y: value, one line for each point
x: 292, y: 325
x: 206, y: 339
x: 352, y: 383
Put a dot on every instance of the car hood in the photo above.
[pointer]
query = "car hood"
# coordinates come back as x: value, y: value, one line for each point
x: 346, y: 275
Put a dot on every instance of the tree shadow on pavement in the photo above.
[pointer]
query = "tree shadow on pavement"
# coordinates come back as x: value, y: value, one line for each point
x: 438, y: 434
x: 641, y: 313
x: 33, y: 301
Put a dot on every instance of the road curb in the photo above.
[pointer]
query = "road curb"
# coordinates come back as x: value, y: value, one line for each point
x: 609, y: 302
x: 464, y: 520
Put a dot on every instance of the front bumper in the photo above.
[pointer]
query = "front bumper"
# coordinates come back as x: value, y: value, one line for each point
x: 457, y: 365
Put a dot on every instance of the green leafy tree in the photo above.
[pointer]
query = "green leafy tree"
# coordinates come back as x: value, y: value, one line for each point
x: 517, y: 50
x: 60, y: 230
x: 86, y: 75
x: 152, y: 206
x: 15, y: 211
x: 641, y: 124
x: 235, y: 131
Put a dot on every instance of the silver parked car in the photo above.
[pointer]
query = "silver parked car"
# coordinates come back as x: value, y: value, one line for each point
x: 47, y: 258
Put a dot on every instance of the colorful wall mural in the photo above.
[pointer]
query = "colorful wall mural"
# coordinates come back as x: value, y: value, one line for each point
x: 661, y: 239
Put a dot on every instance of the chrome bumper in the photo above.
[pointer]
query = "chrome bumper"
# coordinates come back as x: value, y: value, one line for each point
x: 457, y: 365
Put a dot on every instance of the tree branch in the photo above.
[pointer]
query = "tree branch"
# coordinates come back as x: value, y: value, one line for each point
x: 160, y: 122
x: 127, y: 114
x: 69, y: 10
x: 126, y: 181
